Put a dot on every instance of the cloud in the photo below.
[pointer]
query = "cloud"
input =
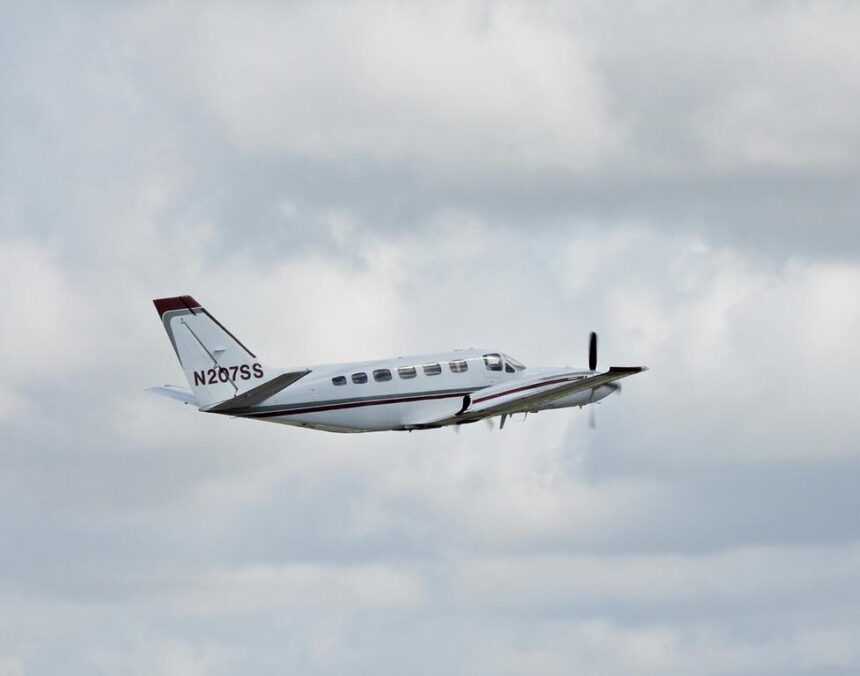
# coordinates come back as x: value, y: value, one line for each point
x: 520, y: 89
x: 164, y: 655
x: 449, y: 87
x: 11, y: 667
x: 44, y: 314
x: 303, y: 586
x: 408, y: 521
x: 339, y: 182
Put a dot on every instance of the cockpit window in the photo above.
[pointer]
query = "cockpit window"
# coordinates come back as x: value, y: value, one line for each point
x: 519, y: 366
x: 493, y: 362
x: 509, y: 369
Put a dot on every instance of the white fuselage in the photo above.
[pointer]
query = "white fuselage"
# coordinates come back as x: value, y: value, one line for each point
x: 403, y: 393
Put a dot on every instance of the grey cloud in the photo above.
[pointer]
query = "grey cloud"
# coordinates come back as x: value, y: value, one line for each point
x: 707, y: 526
x: 135, y: 137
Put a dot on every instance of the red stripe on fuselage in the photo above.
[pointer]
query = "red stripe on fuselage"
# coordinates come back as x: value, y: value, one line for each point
x: 352, y: 404
x: 523, y: 389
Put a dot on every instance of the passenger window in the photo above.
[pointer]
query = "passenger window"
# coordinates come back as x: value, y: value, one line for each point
x: 381, y: 375
x: 432, y: 369
x: 509, y: 369
x: 338, y: 380
x: 458, y: 366
x: 407, y: 372
x: 493, y: 362
x: 359, y: 378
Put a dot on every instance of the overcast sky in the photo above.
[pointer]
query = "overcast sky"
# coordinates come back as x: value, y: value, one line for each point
x: 342, y: 181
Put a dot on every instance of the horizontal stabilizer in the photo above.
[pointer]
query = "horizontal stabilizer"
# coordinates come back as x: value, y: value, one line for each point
x: 173, y: 392
x: 257, y: 394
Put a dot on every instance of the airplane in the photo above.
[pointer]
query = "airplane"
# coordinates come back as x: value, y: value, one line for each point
x: 402, y: 393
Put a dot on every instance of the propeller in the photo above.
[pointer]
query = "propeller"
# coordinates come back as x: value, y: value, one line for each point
x: 592, y: 352
x: 592, y: 366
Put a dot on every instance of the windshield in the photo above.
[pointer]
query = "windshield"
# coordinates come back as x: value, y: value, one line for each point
x: 519, y: 366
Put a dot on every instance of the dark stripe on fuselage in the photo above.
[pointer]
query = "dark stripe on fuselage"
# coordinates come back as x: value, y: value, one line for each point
x: 356, y: 402
x: 527, y: 387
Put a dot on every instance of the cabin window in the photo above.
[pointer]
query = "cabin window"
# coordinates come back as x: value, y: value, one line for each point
x: 407, y: 372
x: 458, y: 365
x: 338, y: 380
x: 493, y: 362
x: 381, y: 375
x: 359, y: 378
x: 432, y: 369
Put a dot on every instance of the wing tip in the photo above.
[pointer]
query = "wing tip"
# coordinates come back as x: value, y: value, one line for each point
x: 628, y: 370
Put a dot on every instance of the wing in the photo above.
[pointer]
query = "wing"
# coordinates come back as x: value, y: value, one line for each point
x: 530, y: 394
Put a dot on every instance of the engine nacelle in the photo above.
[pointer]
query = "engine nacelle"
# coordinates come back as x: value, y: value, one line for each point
x: 591, y: 396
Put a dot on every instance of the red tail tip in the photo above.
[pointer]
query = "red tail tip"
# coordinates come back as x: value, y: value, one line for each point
x: 163, y: 305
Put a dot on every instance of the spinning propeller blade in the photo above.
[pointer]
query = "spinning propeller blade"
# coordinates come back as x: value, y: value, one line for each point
x: 592, y: 352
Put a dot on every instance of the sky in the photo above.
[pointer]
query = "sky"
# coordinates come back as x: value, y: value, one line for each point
x: 345, y: 181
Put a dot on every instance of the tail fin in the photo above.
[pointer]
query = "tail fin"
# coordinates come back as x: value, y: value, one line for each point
x: 217, y: 365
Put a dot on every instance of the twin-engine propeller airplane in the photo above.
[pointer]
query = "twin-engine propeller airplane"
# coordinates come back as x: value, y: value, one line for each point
x: 404, y: 393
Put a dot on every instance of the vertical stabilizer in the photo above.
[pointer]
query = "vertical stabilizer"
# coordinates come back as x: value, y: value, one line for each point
x: 217, y: 365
